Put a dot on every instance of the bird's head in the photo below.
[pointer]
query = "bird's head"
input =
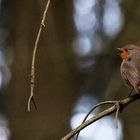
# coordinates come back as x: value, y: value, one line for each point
x: 126, y: 51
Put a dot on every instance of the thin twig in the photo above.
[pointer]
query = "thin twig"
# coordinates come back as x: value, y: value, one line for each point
x: 117, y: 112
x: 122, y: 104
x: 32, y: 81
x: 131, y: 91
x: 99, y: 104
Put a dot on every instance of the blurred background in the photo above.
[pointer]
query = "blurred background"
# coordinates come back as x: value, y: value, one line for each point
x: 77, y: 66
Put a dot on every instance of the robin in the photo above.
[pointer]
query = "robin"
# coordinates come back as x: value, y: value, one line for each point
x: 130, y: 66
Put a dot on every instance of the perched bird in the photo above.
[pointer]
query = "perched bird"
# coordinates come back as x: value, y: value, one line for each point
x: 130, y: 66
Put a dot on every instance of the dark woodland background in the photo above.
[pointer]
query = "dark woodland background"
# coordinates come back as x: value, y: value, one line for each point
x: 77, y: 66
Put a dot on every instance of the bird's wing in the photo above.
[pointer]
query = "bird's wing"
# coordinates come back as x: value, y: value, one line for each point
x: 136, y: 59
x: 130, y: 74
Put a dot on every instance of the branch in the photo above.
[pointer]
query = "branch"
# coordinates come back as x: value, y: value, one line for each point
x: 97, y: 105
x: 32, y: 81
x: 122, y: 104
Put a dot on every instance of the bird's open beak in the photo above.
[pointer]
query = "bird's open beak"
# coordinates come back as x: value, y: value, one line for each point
x: 119, y: 51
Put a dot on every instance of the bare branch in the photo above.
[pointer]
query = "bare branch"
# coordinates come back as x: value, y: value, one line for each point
x: 32, y: 81
x: 98, y: 105
x: 122, y: 104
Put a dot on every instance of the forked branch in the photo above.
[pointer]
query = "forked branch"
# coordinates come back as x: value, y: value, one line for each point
x: 122, y: 104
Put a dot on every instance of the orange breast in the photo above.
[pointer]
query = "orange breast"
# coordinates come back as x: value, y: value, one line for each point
x: 124, y: 54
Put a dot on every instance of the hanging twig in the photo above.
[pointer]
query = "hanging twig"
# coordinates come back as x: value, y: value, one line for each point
x: 117, y: 112
x: 122, y: 104
x: 98, y: 105
x: 32, y: 81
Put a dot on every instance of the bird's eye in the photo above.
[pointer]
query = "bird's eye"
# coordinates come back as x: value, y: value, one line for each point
x: 126, y: 50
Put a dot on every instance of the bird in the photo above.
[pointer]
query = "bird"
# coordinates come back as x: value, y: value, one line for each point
x: 130, y: 66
